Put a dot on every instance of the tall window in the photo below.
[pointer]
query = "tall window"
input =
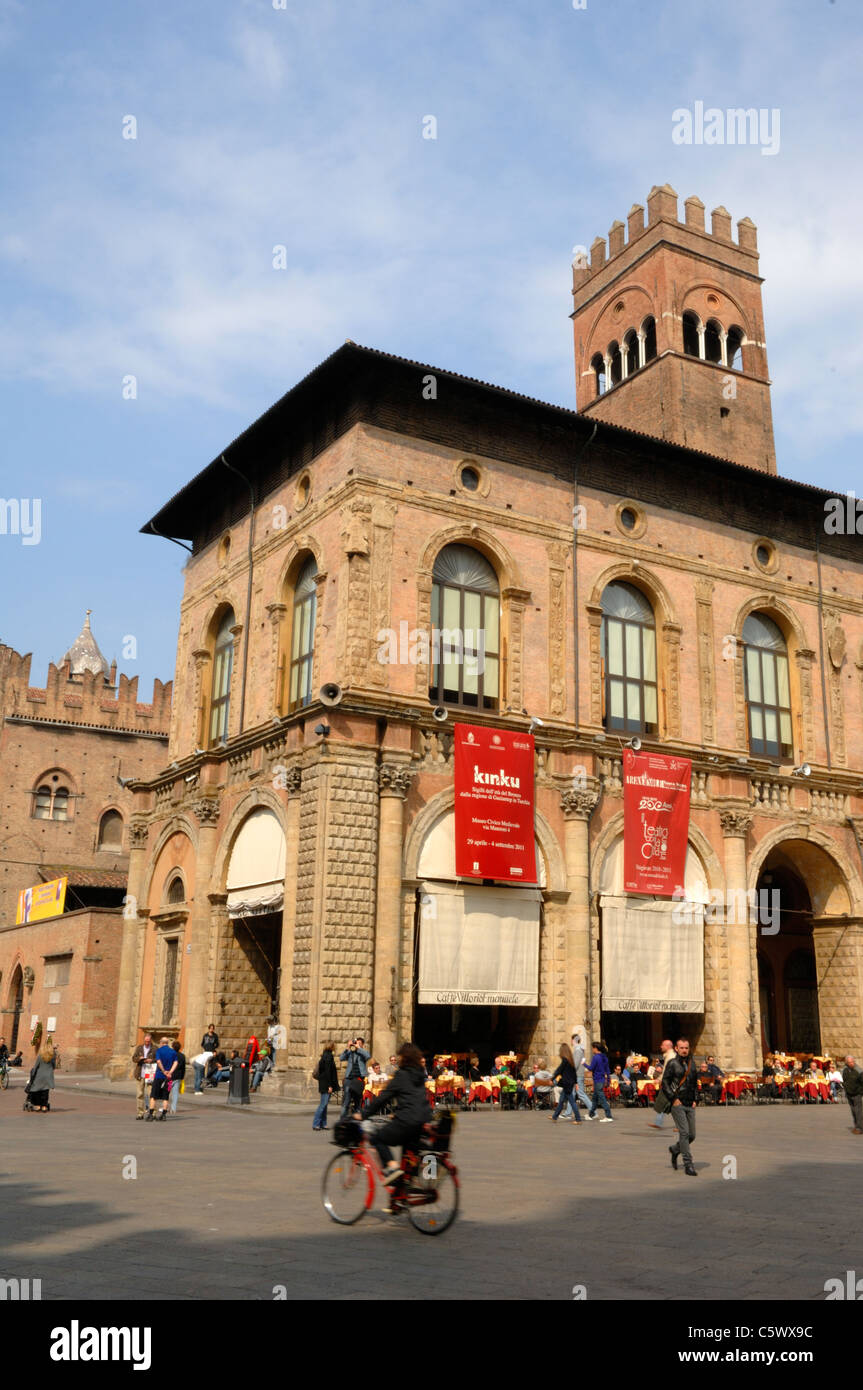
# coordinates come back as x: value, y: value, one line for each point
x: 465, y: 630
x: 768, y: 697
x: 713, y: 341
x: 223, y: 664
x: 51, y: 802
x: 172, y: 952
x: 303, y: 636
x: 597, y: 366
x: 628, y: 650
x: 111, y: 831
x: 691, y: 335
x: 733, y: 348
x: 630, y: 347
x: 176, y: 890
x: 648, y: 328
x: 616, y: 363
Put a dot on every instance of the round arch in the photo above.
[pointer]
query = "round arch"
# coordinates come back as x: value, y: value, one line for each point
x: 633, y: 319
x: 177, y: 825
x: 697, y: 842
x: 832, y: 882
x: 700, y: 287
x: 208, y: 626
x: 258, y: 799
x: 780, y: 611
x: 641, y: 578
x: 442, y: 805
x: 508, y: 573
x: 299, y: 548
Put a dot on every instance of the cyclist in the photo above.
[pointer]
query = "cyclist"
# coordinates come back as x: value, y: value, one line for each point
x: 406, y: 1093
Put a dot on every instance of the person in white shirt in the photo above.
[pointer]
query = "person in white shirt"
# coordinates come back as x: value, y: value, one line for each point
x: 200, y: 1065
x: 660, y: 1104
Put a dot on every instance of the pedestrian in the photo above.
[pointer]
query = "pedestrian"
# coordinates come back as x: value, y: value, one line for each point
x: 661, y: 1106
x: 599, y: 1069
x: 166, y: 1065
x: 179, y: 1076
x: 578, y: 1059
x: 852, y: 1080
x: 41, y: 1082
x: 679, y: 1083
x: 355, y: 1073
x: 143, y: 1059
x: 567, y: 1077
x: 219, y: 1069
x: 210, y: 1040
x: 327, y: 1077
x: 200, y: 1064
x: 261, y: 1067
x: 406, y: 1093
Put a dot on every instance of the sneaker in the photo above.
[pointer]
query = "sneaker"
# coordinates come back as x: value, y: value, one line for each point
x: 391, y: 1175
x: 607, y: 1120
x: 140, y: 1117
x: 653, y: 1125
x: 150, y: 1115
x: 590, y: 1117
x: 163, y: 1115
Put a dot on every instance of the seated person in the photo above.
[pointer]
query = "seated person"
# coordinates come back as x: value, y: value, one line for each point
x: 708, y: 1085
x: 219, y: 1069
x: 714, y: 1070
x: 625, y: 1084
x: 375, y: 1073
x: 472, y: 1070
x: 543, y: 1082
x: 262, y: 1066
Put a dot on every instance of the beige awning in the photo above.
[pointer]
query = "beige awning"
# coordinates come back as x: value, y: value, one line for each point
x: 652, y: 956
x: 256, y: 872
x: 478, y: 945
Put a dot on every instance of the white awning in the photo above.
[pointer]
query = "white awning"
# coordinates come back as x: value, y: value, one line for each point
x: 478, y: 945
x: 652, y: 956
x: 256, y: 872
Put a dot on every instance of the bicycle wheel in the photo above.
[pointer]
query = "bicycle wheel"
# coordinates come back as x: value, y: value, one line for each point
x: 346, y: 1189
x: 434, y: 1217
x: 4, y: 1079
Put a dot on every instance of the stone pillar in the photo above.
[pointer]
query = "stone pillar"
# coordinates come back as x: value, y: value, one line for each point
x: 393, y: 783
x: 578, y: 803
x: 129, y: 983
x: 289, y: 919
x: 741, y: 1049
x: 200, y: 927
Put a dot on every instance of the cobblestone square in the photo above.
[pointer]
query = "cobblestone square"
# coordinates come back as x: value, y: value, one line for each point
x: 226, y: 1205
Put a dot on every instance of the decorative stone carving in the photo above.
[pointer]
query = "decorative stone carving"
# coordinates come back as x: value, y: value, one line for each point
x: 557, y: 554
x: 671, y: 633
x: 355, y: 528
x: 805, y: 661
x: 380, y: 583
x: 206, y: 809
x: 836, y: 647
x: 293, y: 780
x: 735, y: 821
x: 594, y: 625
x: 276, y: 614
x: 515, y: 601
x: 138, y: 830
x: 394, y: 779
x: 577, y: 803
x: 706, y: 668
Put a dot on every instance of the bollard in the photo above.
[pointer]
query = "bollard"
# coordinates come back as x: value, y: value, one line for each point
x: 238, y: 1082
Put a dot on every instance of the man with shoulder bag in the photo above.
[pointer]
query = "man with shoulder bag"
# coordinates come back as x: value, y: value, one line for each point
x: 679, y: 1085
x: 143, y: 1070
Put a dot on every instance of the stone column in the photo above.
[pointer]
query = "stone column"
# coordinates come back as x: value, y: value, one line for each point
x: 289, y: 918
x: 129, y: 985
x: 578, y: 803
x: 393, y: 783
x: 200, y: 925
x: 742, y: 1047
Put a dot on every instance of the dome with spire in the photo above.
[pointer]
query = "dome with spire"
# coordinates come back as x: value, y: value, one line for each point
x: 84, y: 654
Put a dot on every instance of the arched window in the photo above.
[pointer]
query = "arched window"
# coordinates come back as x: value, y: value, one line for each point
x: 691, y: 335
x: 630, y: 348
x: 713, y: 341
x: 648, y: 328
x: 616, y: 363
x: 223, y: 664
x: 597, y: 366
x: 176, y: 890
x: 465, y: 611
x: 51, y: 799
x: 303, y: 637
x: 733, y: 349
x: 628, y: 651
x: 768, y: 698
x: 111, y: 831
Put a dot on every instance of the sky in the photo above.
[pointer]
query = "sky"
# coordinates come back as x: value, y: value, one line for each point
x: 300, y: 124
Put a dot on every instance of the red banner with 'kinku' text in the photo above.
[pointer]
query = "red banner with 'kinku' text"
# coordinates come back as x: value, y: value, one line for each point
x: 655, y: 822
x: 494, y: 804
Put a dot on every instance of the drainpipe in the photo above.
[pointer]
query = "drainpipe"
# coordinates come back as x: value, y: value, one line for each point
x: 231, y: 469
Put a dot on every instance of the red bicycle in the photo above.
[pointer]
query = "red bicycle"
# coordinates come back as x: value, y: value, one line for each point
x: 427, y: 1187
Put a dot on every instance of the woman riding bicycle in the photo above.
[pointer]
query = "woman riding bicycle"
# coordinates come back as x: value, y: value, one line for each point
x: 406, y: 1093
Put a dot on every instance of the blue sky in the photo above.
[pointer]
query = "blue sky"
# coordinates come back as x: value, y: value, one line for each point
x: 302, y: 127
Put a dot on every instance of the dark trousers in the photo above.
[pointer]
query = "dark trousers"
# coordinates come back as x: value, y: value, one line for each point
x: 856, y: 1103
x: 567, y: 1097
x: 684, y: 1118
x: 353, y: 1097
x: 392, y: 1133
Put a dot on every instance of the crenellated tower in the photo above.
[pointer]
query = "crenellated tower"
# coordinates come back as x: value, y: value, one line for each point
x: 669, y: 331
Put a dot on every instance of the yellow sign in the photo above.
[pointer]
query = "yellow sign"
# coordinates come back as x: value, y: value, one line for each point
x: 41, y: 901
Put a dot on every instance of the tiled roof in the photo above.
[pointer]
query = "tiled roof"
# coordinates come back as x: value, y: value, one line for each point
x: 83, y: 877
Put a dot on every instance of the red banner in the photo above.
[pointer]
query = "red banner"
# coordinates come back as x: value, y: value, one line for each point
x: 494, y: 804
x: 655, y: 822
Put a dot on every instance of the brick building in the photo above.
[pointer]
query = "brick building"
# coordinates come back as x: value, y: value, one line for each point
x: 637, y: 568
x: 65, y: 752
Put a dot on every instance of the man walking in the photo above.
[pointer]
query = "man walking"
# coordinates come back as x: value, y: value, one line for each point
x: 179, y: 1075
x: 679, y: 1085
x: 166, y: 1065
x: 356, y: 1057
x: 852, y: 1080
x: 660, y: 1103
x: 142, y: 1061
x: 601, y: 1073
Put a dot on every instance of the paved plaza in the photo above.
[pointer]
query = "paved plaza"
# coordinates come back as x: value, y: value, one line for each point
x: 226, y: 1204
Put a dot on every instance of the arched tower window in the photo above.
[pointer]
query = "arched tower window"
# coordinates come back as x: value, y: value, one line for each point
x: 768, y: 697
x: 691, y: 334
x: 630, y: 349
x: 176, y: 890
x: 616, y: 365
x: 648, y: 328
x: 713, y: 341
x: 111, y: 831
x: 734, y: 348
x: 597, y: 366
x: 51, y: 798
x: 465, y: 611
x: 628, y: 652
x: 303, y: 636
x: 223, y: 665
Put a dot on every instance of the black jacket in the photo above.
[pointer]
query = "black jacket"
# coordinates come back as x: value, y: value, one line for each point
x: 568, y: 1075
x: 679, y: 1080
x: 406, y: 1093
x: 328, y: 1075
x: 210, y: 1042
x: 852, y: 1080
x: 181, y: 1065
